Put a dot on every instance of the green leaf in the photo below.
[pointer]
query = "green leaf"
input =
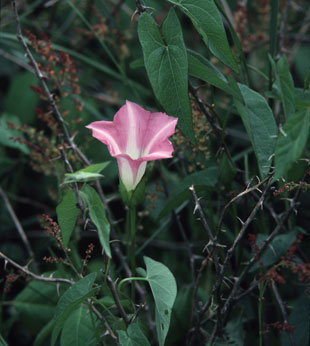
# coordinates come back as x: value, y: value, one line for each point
x: 277, y: 248
x: 235, y: 331
x: 307, y: 81
x: 135, y: 197
x: 35, y: 305
x: 133, y: 336
x: 285, y: 86
x: 81, y: 176
x: 203, y: 179
x: 67, y: 214
x: 300, y: 319
x: 137, y: 63
x: 21, y: 100
x: 208, y: 21
x: 166, y: 64
x: 226, y: 169
x: 181, y: 315
x: 236, y: 41
x: 201, y: 68
x: 2, y: 341
x: 291, y: 142
x: 70, y: 300
x: 44, y: 333
x: 261, y: 127
x: 97, y: 215
x: 164, y: 290
x: 302, y: 98
x: 89, y: 173
x: 78, y: 329
x: 6, y: 133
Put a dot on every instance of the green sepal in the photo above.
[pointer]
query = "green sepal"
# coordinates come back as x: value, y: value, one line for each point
x: 134, y: 197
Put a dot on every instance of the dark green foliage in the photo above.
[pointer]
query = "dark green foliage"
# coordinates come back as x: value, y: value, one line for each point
x: 212, y: 247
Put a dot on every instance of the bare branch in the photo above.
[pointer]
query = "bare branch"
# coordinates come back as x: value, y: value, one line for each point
x: 201, y: 215
x: 241, y: 194
x: 266, y: 243
x: 117, y: 300
x: 46, y: 90
x: 101, y: 318
x: 220, y: 275
x: 17, y: 224
x: 283, y: 312
x: 33, y: 275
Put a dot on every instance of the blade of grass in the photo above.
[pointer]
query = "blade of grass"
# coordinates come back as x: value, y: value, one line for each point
x: 91, y: 62
x: 74, y: 54
x: 244, y: 70
x: 259, y: 72
x: 108, y: 52
x: 29, y: 9
x: 273, y: 35
x: 103, y: 45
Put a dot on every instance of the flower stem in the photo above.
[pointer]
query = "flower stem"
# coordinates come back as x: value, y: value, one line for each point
x: 132, y: 215
x: 137, y: 278
x: 260, y: 308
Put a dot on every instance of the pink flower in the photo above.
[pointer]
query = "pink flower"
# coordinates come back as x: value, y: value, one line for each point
x: 134, y: 137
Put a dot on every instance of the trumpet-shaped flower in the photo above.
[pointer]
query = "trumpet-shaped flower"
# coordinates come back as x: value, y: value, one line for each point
x: 134, y: 137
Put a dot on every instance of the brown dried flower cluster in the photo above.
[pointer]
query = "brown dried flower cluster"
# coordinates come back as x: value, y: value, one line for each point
x: 53, y: 229
x: 43, y: 149
x: 290, y: 186
x: 198, y: 154
x: 58, y: 68
x: 10, y: 279
x: 259, y: 24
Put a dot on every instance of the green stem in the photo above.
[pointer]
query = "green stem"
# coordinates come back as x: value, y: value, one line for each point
x: 132, y: 214
x: 127, y: 232
x: 273, y: 35
x: 107, y: 270
x: 97, y: 336
x: 106, y: 309
x: 134, y: 278
x: 260, y: 309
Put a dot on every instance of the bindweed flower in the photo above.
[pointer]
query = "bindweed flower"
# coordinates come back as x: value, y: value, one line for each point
x: 134, y: 137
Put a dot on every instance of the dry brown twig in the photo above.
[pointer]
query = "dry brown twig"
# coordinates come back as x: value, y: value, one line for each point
x: 45, y: 88
x: 117, y: 300
x: 25, y: 270
x: 275, y: 232
x: 283, y: 311
x: 220, y: 268
x: 101, y: 318
x: 18, y: 225
x: 241, y: 194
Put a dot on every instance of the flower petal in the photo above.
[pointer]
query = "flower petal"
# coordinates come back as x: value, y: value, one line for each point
x: 131, y: 122
x: 130, y: 171
x: 105, y: 131
x: 156, y: 143
x: 134, y: 137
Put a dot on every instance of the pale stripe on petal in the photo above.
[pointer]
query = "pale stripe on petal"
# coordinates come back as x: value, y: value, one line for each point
x: 132, y: 146
x: 140, y: 173
x: 125, y: 173
x: 106, y: 137
x: 157, y: 137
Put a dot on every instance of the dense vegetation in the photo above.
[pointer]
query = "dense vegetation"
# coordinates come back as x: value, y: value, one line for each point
x: 216, y: 238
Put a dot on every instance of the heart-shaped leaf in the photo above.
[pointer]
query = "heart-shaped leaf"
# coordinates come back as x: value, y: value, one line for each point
x: 164, y: 290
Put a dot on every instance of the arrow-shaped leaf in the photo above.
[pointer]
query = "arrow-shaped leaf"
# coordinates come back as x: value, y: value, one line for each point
x: 165, y: 60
